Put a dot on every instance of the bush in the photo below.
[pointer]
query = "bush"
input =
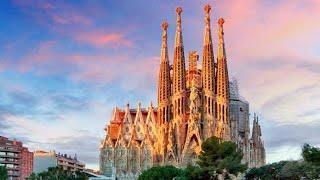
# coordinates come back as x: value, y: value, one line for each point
x: 160, y: 173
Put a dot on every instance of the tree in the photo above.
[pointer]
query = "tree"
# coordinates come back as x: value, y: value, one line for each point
x: 311, y: 154
x: 217, y: 156
x: 160, y: 173
x: 3, y: 172
x: 308, y: 168
x: 293, y: 170
x: 57, y: 173
x: 32, y: 176
x: 270, y: 171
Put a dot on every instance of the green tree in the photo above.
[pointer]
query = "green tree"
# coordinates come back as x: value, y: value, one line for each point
x: 295, y: 170
x: 3, y: 172
x: 217, y: 156
x: 194, y: 173
x: 270, y: 171
x: 160, y: 173
x: 57, y: 173
x: 32, y: 176
x: 311, y: 154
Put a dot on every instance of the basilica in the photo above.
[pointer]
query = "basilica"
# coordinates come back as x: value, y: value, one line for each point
x: 193, y: 104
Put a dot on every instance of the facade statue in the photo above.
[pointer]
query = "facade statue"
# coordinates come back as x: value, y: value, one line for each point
x: 194, y: 99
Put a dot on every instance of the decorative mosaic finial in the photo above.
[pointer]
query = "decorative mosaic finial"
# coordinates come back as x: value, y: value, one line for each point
x: 207, y: 8
x: 221, y: 21
x: 164, y: 25
x: 179, y: 10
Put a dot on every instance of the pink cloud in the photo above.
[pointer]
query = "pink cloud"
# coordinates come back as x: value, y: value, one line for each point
x: 104, y: 39
x: 121, y: 70
x: 70, y: 18
x: 58, y: 12
x: 254, y: 28
x: 39, y: 56
x: 75, y: 22
x: 46, y: 59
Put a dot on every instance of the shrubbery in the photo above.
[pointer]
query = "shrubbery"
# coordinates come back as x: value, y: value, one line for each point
x: 308, y: 168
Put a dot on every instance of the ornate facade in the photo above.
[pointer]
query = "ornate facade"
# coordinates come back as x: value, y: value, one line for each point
x: 193, y: 104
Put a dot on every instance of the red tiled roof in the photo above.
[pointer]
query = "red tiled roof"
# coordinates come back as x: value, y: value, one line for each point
x: 113, y: 130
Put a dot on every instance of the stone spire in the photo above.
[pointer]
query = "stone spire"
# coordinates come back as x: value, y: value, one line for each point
x: 179, y: 82
x: 208, y: 77
x: 164, y: 88
x: 179, y: 74
x: 256, y: 132
x: 208, y: 56
x: 179, y: 97
x: 257, y: 152
x: 223, y: 79
x: 222, y: 85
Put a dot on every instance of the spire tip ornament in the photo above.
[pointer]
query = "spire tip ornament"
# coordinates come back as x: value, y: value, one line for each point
x: 207, y: 8
x: 164, y: 25
x: 221, y: 21
x: 179, y: 10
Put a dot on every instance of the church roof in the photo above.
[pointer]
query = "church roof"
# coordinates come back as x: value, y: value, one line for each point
x: 115, y: 124
x: 113, y: 130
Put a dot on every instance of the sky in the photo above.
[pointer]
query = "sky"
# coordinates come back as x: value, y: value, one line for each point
x: 64, y: 65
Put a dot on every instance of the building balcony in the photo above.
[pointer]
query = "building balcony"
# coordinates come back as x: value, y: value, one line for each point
x: 10, y: 156
x: 12, y: 161
x: 14, y: 174
x: 9, y: 149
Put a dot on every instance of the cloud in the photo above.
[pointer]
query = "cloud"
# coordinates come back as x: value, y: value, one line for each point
x: 17, y: 101
x: 284, y: 142
x: 266, y: 34
x: 65, y: 102
x: 281, y: 135
x: 76, y: 21
x: 56, y: 13
x: 48, y: 60
x: 99, y: 39
x: 36, y: 135
x: 82, y: 143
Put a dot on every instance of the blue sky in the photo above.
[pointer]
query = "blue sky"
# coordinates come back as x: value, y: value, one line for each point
x: 65, y: 65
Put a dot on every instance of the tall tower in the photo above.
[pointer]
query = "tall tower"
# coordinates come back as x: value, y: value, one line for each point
x: 164, y: 93
x: 223, y: 121
x: 164, y: 86
x: 208, y: 78
x: 258, y: 154
x: 179, y: 99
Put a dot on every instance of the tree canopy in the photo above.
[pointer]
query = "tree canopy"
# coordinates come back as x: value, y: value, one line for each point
x: 57, y: 173
x: 160, y: 173
x: 3, y: 172
x: 311, y: 154
x: 218, y: 155
x: 308, y: 168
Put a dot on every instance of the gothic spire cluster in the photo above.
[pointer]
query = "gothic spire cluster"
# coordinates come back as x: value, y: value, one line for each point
x: 193, y: 104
